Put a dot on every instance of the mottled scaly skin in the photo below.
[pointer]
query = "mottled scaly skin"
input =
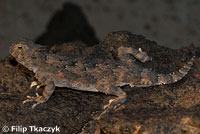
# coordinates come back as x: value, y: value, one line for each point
x: 94, y: 74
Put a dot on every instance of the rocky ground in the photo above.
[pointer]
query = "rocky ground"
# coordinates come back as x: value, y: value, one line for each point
x: 164, y: 109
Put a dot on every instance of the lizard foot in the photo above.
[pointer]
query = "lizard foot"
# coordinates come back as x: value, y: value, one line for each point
x: 142, y: 56
x: 47, y: 92
x: 37, y: 99
x: 112, y: 105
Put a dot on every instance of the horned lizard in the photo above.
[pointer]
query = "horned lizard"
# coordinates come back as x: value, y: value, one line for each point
x: 96, y: 75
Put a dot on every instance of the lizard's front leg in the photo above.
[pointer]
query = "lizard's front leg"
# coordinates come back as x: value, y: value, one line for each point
x: 47, y: 92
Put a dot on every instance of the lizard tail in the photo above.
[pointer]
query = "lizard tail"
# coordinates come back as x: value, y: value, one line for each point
x: 175, y: 76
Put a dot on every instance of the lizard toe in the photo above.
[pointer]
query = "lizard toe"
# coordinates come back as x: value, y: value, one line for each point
x: 33, y: 84
x: 34, y: 105
x: 37, y: 99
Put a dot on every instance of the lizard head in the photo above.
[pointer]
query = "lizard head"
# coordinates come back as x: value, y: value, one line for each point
x: 26, y: 53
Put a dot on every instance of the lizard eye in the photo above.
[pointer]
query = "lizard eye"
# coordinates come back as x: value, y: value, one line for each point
x: 20, y: 47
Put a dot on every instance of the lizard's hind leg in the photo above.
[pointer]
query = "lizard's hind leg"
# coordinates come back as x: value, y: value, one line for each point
x: 114, y: 103
x: 140, y: 55
x: 92, y: 127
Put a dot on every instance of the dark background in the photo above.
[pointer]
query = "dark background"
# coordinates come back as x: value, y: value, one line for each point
x: 168, y: 22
